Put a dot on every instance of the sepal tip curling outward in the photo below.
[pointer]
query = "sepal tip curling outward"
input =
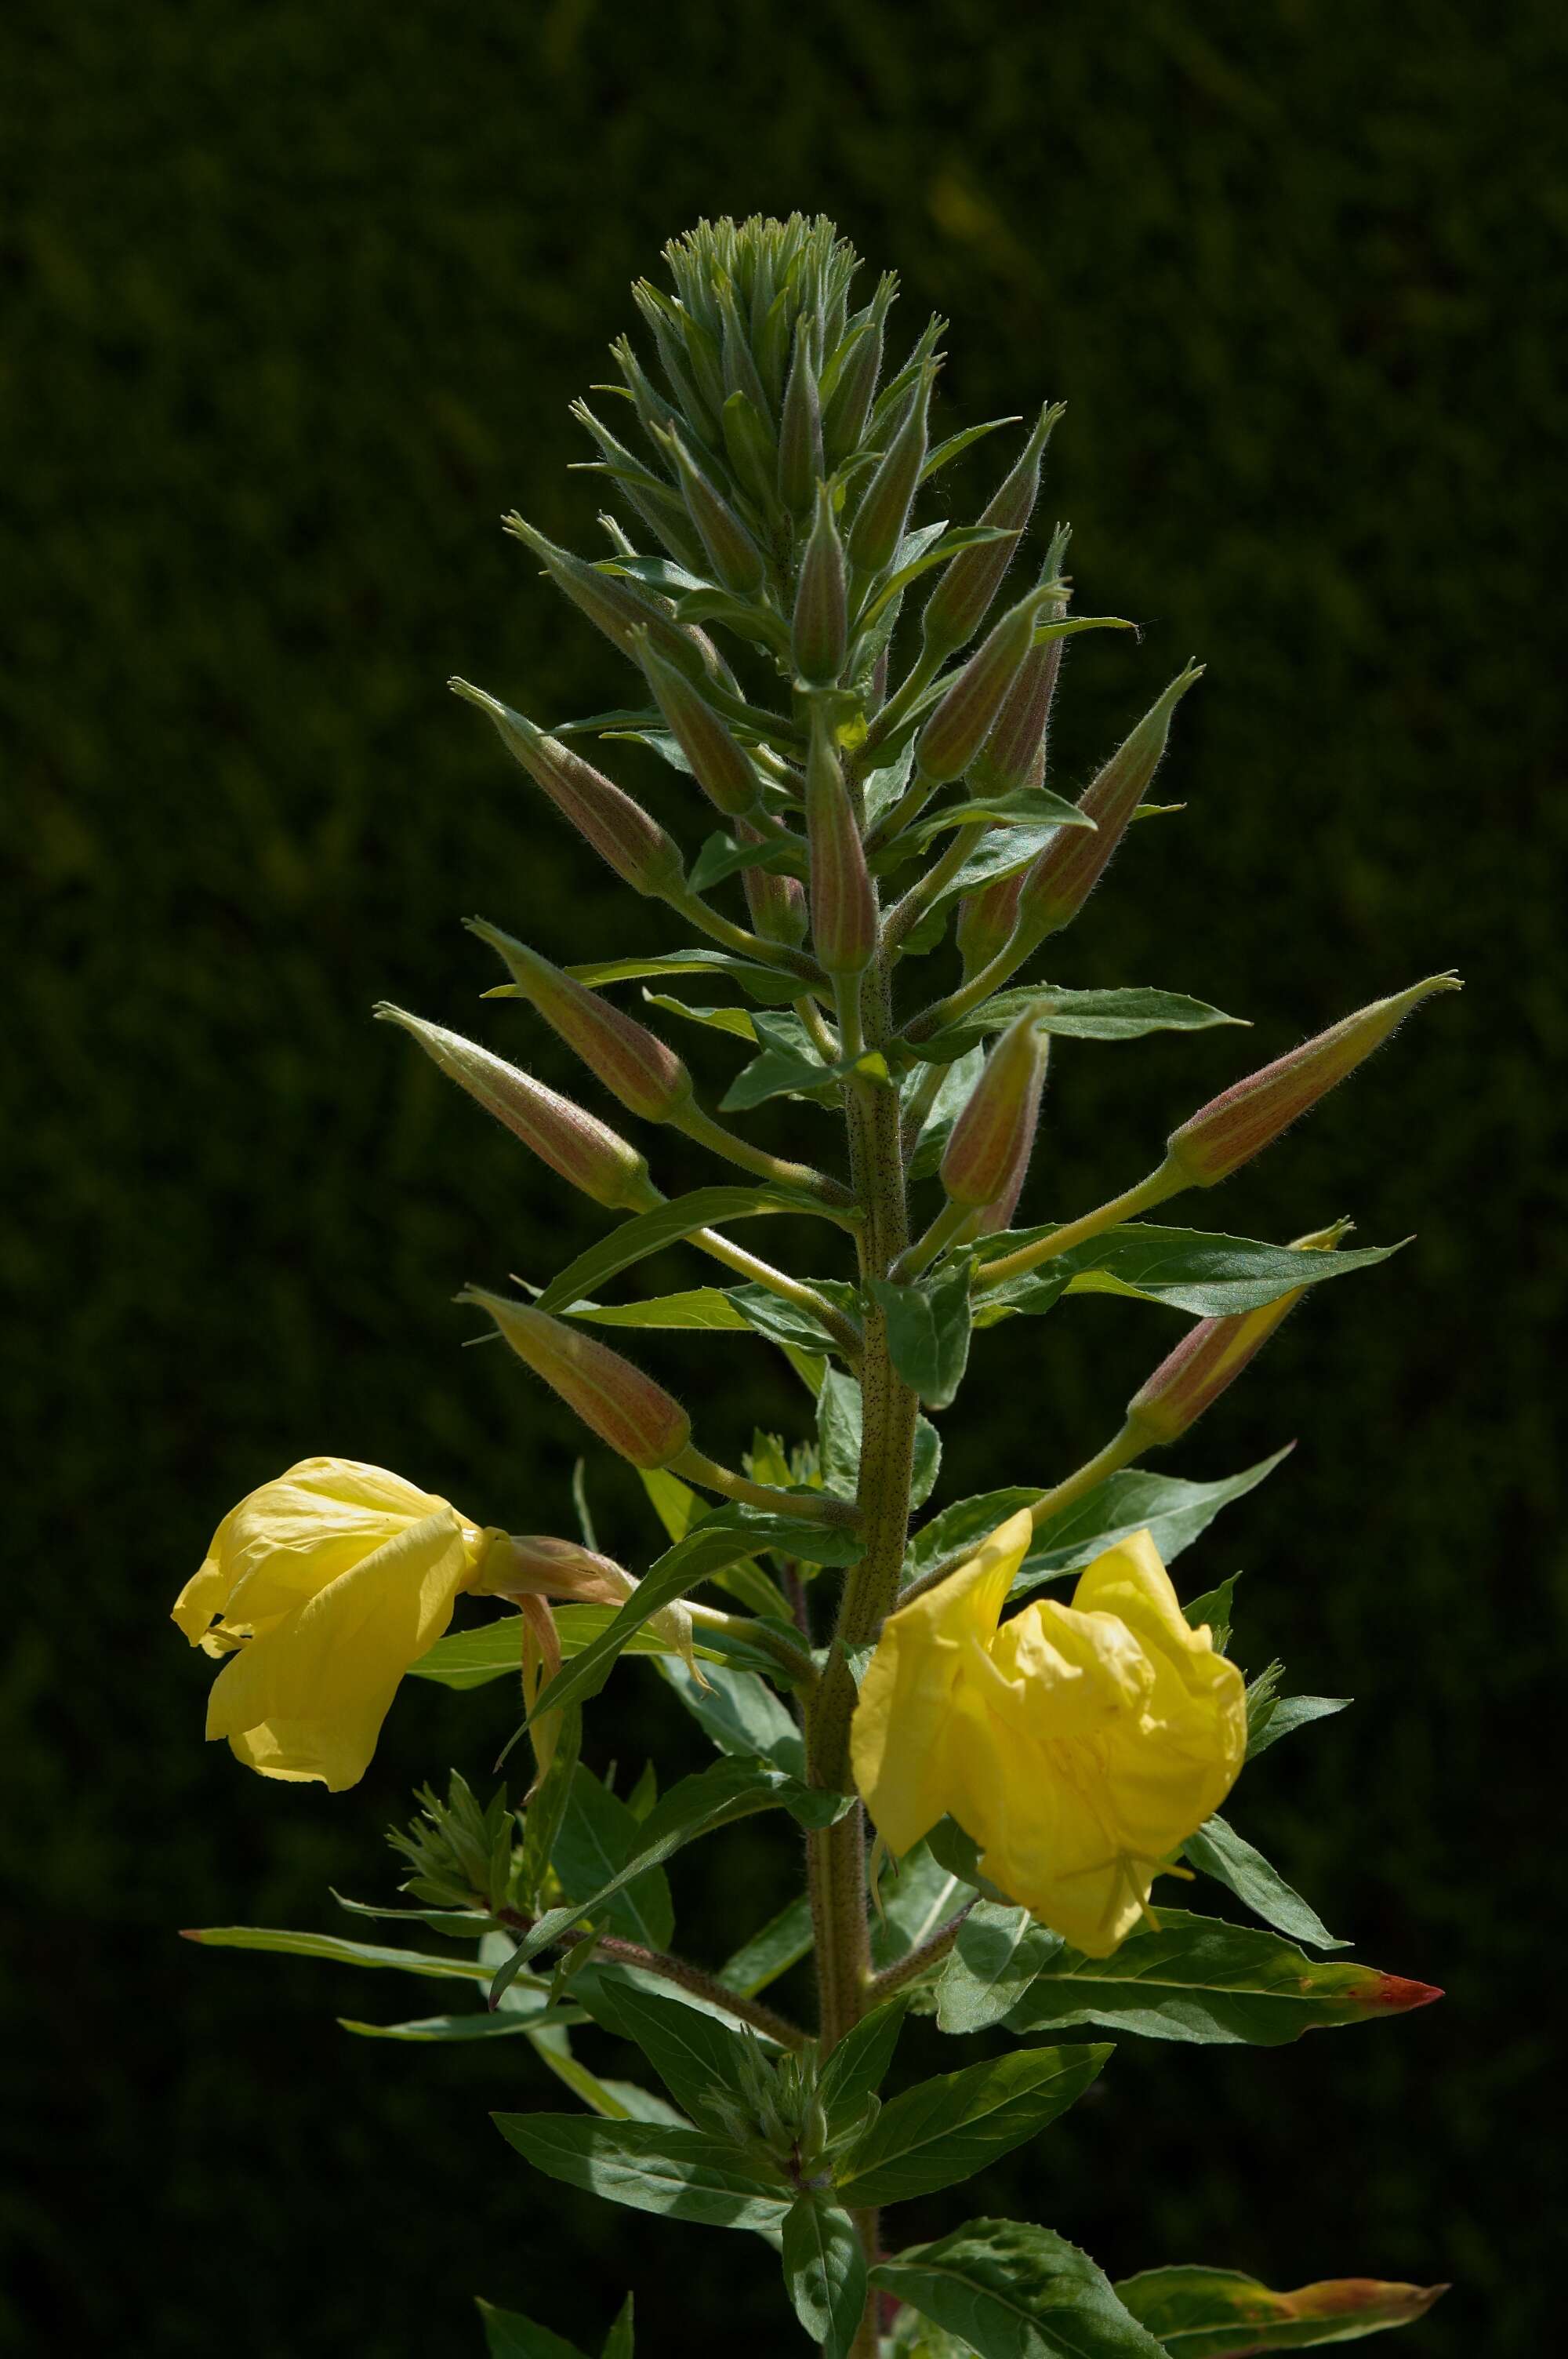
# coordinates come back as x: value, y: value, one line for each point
x: 626, y: 1408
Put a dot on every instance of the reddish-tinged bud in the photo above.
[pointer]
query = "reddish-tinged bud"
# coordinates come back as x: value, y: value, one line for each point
x: 1061, y: 880
x: 850, y: 405
x: 885, y: 504
x: 616, y: 1401
x: 720, y: 763
x: 962, y: 598
x: 535, y: 1565
x: 820, y: 631
x: 1210, y: 1356
x: 577, y: 1147
x: 801, y: 465
x: 986, y: 920
x: 1244, y: 1119
x: 963, y: 721
x: 988, y: 1147
x: 1014, y: 756
x: 736, y: 559
x: 618, y: 606
x: 777, y: 904
x: 997, y: 1216
x: 843, y: 898
x: 648, y: 1079
x: 619, y: 829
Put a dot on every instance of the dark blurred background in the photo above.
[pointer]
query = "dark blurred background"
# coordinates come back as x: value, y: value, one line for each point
x: 297, y: 298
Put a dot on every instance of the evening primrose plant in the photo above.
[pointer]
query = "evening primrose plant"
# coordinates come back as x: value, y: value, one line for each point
x: 1008, y: 1738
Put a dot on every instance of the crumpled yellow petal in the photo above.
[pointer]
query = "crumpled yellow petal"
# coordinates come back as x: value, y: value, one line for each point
x: 900, y: 1736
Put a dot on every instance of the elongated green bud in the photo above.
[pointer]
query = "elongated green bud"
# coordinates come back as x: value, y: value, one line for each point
x: 619, y: 829
x: 1238, y: 1124
x: 750, y: 446
x: 618, y: 606
x: 989, y: 1144
x: 1014, y: 756
x: 777, y: 904
x: 615, y: 1400
x: 649, y: 1079
x: 986, y: 920
x: 741, y: 373
x: 968, y: 582
x: 801, y: 465
x: 962, y: 722
x: 820, y: 631
x: 1210, y: 1356
x: 1060, y: 881
x: 884, y: 508
x: 654, y: 414
x: 656, y: 501
x: 720, y: 763
x: 736, y: 559
x: 850, y: 405
x: 843, y: 898
x: 577, y: 1145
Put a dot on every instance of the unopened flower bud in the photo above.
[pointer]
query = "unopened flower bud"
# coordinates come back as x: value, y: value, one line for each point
x: 1060, y: 881
x: 736, y: 559
x: 576, y: 1145
x: 1210, y: 1356
x: 843, y: 898
x: 620, y: 829
x: 986, y: 920
x: 618, y: 606
x: 820, y: 631
x: 615, y: 1400
x: 997, y: 1216
x: 885, y: 504
x: 1014, y: 756
x: 989, y: 1144
x: 962, y: 598
x: 1244, y: 1119
x: 850, y: 405
x: 648, y: 1078
x: 963, y: 721
x: 801, y: 464
x: 537, y: 1565
x: 752, y: 450
x: 777, y: 904
x: 720, y: 763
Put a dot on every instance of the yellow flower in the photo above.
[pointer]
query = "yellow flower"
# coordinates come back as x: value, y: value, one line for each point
x: 322, y: 1588
x: 1078, y: 1744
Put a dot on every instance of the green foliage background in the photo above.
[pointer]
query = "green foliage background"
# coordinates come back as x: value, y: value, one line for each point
x: 298, y: 297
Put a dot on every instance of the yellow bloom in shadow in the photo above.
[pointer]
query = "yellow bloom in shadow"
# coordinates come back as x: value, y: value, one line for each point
x: 1078, y: 1744
x: 322, y: 1588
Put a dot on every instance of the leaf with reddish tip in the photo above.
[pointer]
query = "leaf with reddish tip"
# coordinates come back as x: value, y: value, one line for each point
x: 1220, y: 2314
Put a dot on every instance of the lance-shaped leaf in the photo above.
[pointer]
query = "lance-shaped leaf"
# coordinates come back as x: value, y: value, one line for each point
x: 337, y: 1952
x: 509, y: 2335
x: 916, y: 1900
x: 947, y: 2128
x: 1173, y: 1510
x: 1210, y: 1275
x: 597, y: 1836
x: 1128, y: 1012
x: 743, y: 1715
x: 1217, y: 1850
x: 620, y: 2342
x: 1008, y: 2291
x: 707, y: 1309
x: 928, y: 1330
x: 839, y: 1425
x: 699, y: 2060
x: 824, y: 2269
x: 785, y: 1322
x: 772, y: 985
x: 681, y: 2174
x: 1196, y: 1979
x: 666, y: 1225
x: 857, y: 2068
x: 999, y: 1952
x: 1221, y: 2314
x: 1281, y: 1715
x: 469, y: 1658
x: 770, y: 1951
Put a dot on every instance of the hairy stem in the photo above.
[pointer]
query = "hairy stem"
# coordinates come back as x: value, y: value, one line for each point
x: 1167, y: 1181
x: 671, y: 1969
x: 910, y: 1969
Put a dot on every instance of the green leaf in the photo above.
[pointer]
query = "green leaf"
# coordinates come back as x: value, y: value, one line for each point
x: 681, y: 2174
x: 947, y: 2128
x: 1173, y: 1510
x: 1011, y: 2292
x: 338, y: 1951
x: 435, y: 2030
x: 783, y: 1323
x: 770, y: 1951
x: 839, y: 1423
x: 706, y: 1308
x: 953, y: 1094
x: 1199, y: 1980
x: 722, y: 857
x: 789, y: 1066
x: 1217, y: 1850
x: 1281, y: 1715
x: 468, y: 1658
x: 1220, y: 2314
x: 619, y: 2342
x: 509, y: 2335
x: 680, y: 1509
x: 857, y: 2068
x: 743, y: 1715
x: 916, y: 1899
x: 999, y: 1952
x: 1192, y: 1269
x: 666, y: 1225
x: 928, y: 1330
x: 1027, y: 807
x: 1213, y: 1611
x: 824, y: 2269
x: 698, y: 2058
x: 948, y: 450
x: 598, y: 1835
x: 767, y: 984
x: 1126, y: 1013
